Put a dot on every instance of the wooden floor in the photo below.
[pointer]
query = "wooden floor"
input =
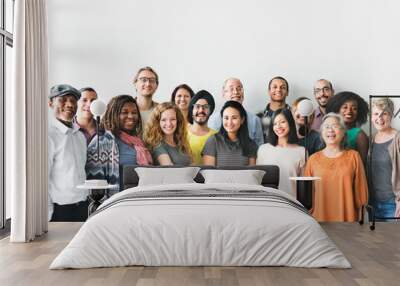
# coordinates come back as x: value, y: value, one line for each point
x: 374, y: 255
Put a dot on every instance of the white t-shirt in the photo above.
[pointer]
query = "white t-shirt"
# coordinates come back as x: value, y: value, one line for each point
x: 66, y: 169
x: 290, y: 161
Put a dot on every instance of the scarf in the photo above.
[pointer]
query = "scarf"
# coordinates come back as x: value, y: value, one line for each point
x: 143, y: 156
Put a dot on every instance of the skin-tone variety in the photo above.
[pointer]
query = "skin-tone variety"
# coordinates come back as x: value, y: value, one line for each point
x: 182, y: 99
x: 146, y: 85
x: 382, y: 119
x: 322, y: 93
x: 129, y: 117
x: 231, y: 122
x: 201, y: 114
x: 332, y: 134
x: 168, y: 124
x: 278, y: 91
x: 83, y: 115
x: 233, y: 90
x: 64, y: 107
x: 349, y: 111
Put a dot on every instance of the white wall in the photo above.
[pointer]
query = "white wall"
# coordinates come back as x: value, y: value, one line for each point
x: 354, y: 43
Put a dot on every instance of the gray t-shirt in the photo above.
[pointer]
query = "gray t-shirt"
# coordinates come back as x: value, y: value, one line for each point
x: 226, y: 152
x: 381, y: 175
x: 177, y: 156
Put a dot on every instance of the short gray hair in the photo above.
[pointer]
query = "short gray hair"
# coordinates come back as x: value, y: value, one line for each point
x: 384, y: 104
x: 340, y: 120
x: 231, y: 78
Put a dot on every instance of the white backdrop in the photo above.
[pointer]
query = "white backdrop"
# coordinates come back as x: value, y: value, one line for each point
x: 353, y: 43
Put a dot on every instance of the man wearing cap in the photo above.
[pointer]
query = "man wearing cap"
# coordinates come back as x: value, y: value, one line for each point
x: 233, y: 90
x: 67, y: 157
x: 201, y: 106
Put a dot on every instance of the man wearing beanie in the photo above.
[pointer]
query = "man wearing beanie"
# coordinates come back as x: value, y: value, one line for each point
x: 67, y: 157
x: 201, y: 106
x: 233, y: 90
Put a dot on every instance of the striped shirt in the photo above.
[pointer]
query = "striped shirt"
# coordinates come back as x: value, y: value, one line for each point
x: 226, y: 152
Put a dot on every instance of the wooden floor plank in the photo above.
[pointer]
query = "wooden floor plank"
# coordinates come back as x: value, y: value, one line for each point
x: 374, y: 255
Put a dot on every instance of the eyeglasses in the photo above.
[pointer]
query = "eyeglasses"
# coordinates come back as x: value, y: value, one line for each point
x: 150, y: 80
x: 333, y: 127
x: 324, y: 89
x: 199, y: 106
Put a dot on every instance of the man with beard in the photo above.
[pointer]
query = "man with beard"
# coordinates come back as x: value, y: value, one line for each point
x: 67, y: 158
x: 233, y: 90
x: 278, y: 90
x: 201, y: 106
x: 146, y: 83
x: 323, y: 90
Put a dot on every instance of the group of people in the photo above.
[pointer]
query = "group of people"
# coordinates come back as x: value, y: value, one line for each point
x: 186, y: 131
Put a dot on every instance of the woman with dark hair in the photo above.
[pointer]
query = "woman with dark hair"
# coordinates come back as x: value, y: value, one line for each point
x: 120, y: 141
x: 343, y: 187
x: 282, y: 149
x: 354, y: 111
x: 231, y: 146
x: 181, y: 97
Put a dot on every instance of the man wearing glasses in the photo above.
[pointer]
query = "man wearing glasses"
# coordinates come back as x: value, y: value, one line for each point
x: 233, y: 90
x: 146, y: 83
x: 323, y: 90
x: 201, y: 106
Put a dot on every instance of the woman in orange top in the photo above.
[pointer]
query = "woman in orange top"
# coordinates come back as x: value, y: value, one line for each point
x: 343, y: 186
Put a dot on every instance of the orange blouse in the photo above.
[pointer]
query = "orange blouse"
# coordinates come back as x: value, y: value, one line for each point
x: 342, y: 189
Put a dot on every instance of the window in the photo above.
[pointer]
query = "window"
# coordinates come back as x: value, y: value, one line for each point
x: 6, y: 44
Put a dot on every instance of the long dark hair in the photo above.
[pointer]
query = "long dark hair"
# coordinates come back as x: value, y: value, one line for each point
x: 292, y: 136
x: 110, y: 120
x: 243, y: 132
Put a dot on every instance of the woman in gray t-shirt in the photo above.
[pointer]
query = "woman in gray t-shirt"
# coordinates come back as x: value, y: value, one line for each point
x: 231, y: 146
x: 384, y: 172
x: 166, y: 136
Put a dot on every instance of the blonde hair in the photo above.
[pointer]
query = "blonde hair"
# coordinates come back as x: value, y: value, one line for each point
x: 154, y: 136
x: 384, y: 104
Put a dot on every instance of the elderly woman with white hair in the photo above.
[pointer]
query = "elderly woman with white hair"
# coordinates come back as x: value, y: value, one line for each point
x: 385, y: 161
x: 343, y: 188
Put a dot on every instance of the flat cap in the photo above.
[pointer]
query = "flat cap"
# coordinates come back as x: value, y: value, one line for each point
x: 64, y: 89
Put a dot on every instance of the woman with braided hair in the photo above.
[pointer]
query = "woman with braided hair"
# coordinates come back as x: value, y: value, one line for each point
x: 120, y: 141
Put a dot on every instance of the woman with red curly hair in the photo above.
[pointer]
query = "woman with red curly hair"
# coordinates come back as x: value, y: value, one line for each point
x: 166, y: 136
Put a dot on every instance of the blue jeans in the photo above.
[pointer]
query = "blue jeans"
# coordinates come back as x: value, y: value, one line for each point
x: 384, y: 209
